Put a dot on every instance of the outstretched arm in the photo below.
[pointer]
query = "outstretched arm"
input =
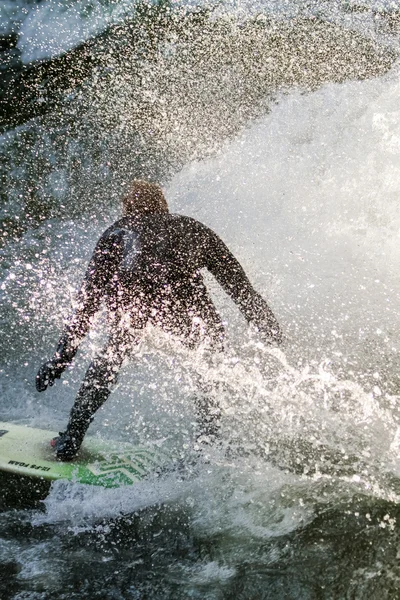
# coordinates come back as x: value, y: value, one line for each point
x: 98, y: 274
x: 232, y: 278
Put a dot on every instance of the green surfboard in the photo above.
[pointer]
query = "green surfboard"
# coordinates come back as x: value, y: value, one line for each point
x: 26, y: 452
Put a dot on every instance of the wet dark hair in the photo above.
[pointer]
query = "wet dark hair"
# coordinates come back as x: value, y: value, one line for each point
x: 144, y: 197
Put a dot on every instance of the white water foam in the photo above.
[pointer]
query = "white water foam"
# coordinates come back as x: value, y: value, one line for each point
x: 308, y: 199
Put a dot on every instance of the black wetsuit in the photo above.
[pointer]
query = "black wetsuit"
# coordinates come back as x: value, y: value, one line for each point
x: 147, y: 270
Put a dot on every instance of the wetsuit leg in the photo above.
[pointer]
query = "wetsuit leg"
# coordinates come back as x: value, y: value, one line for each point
x: 208, y: 412
x: 209, y: 331
x: 96, y: 387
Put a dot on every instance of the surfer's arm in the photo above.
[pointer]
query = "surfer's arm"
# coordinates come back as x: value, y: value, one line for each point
x: 101, y: 268
x: 232, y: 278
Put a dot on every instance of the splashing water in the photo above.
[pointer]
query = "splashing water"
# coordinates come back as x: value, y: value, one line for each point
x: 300, y: 499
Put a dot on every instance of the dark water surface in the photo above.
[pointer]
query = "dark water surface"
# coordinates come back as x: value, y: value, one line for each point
x: 349, y: 550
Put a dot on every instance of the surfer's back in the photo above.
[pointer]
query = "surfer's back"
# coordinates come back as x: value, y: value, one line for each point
x: 162, y: 246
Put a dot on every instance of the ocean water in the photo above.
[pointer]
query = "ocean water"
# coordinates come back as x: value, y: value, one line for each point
x: 278, y: 125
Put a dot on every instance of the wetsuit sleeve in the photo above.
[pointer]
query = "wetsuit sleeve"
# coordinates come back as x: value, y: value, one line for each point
x: 101, y: 268
x: 232, y: 278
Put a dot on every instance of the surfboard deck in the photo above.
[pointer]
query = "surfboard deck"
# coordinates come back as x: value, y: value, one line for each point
x: 26, y: 452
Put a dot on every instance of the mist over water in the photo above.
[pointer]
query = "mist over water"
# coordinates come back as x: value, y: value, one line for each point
x: 300, y: 499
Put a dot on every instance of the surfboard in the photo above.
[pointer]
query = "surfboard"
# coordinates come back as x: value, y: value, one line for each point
x: 26, y: 452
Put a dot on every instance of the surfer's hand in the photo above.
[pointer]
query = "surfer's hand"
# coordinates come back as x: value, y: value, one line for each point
x: 47, y: 374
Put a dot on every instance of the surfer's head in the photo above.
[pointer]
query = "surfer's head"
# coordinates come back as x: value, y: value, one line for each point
x: 144, y: 198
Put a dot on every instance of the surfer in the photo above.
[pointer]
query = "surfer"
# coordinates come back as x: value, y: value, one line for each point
x: 146, y: 268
